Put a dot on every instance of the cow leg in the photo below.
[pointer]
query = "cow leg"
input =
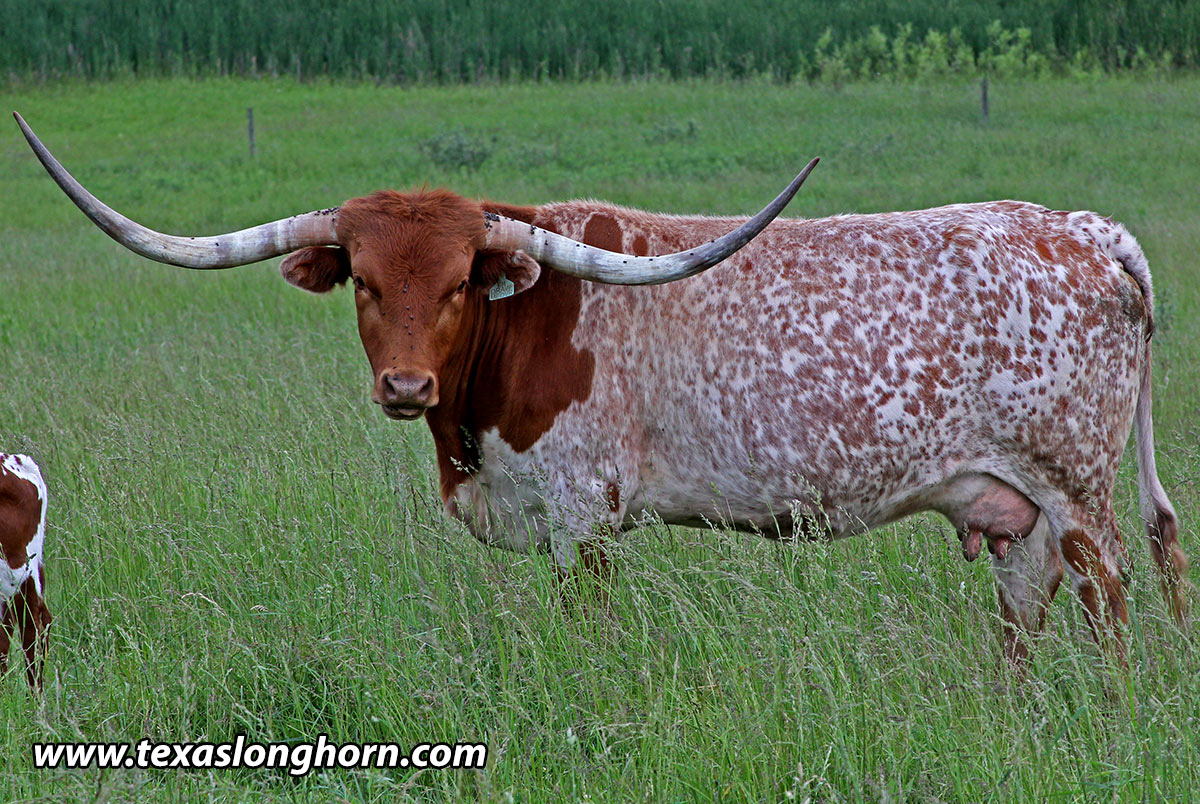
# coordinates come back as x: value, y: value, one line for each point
x: 585, y: 571
x: 589, y: 578
x: 6, y: 625
x: 1092, y: 558
x: 593, y: 566
x: 595, y: 563
x: 1027, y: 577
x: 34, y: 620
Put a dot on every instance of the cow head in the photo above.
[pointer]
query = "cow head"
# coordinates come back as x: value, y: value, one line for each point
x: 418, y: 262
x: 419, y: 265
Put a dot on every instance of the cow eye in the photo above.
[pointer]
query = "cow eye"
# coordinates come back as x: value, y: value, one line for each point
x: 359, y: 284
x: 461, y: 286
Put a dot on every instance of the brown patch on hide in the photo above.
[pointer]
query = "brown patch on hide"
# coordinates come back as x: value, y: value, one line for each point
x: 603, y: 232
x: 20, y: 513
x: 613, y: 495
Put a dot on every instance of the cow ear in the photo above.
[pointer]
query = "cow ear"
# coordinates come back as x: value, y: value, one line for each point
x: 318, y: 269
x: 504, y: 273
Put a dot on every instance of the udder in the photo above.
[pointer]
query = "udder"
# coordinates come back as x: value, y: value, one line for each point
x: 984, y: 508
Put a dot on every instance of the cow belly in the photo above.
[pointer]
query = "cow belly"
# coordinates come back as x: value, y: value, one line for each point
x: 782, y: 506
x: 973, y: 501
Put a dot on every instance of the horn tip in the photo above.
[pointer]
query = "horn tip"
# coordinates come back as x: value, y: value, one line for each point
x: 25, y: 129
x: 800, y: 177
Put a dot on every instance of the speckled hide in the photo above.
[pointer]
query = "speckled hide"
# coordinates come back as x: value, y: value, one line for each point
x: 860, y: 362
x: 22, y: 575
x: 982, y: 360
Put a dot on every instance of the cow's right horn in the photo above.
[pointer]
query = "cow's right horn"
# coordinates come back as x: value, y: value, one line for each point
x: 262, y: 242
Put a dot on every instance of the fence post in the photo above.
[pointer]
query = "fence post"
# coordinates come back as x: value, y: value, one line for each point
x: 984, y: 99
x: 250, y: 126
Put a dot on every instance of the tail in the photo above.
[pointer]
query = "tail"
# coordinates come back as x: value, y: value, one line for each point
x: 1157, y: 513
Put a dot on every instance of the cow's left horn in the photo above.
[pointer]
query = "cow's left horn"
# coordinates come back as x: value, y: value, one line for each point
x: 222, y: 251
x: 587, y: 262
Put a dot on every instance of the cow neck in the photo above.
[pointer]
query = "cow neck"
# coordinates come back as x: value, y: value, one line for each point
x: 514, y: 369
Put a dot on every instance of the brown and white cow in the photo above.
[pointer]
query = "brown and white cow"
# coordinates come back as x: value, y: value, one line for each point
x: 986, y: 361
x: 22, y: 575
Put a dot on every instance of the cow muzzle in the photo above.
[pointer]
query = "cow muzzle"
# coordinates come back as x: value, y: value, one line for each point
x: 405, y: 395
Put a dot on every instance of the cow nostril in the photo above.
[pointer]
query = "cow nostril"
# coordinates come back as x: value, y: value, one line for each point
x: 416, y: 389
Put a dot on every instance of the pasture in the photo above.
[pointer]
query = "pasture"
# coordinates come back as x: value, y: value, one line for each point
x: 240, y: 543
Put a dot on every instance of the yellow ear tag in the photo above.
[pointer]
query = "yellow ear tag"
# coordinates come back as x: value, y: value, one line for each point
x: 502, y: 289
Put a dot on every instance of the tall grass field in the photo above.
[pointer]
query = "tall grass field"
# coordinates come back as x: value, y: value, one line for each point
x: 239, y: 543
x: 424, y: 41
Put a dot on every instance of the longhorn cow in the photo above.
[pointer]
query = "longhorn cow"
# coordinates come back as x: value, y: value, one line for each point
x: 985, y: 361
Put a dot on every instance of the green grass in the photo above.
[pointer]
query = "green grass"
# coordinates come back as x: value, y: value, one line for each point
x: 240, y: 543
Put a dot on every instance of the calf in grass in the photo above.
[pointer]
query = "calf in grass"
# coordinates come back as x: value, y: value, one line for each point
x: 985, y: 361
x: 22, y: 578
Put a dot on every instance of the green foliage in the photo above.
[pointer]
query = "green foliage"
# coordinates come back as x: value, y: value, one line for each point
x: 671, y: 131
x: 1005, y: 54
x: 429, y: 41
x: 456, y: 150
x: 240, y: 543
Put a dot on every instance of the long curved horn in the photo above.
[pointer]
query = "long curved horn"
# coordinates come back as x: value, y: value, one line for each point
x: 587, y: 262
x: 222, y: 251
